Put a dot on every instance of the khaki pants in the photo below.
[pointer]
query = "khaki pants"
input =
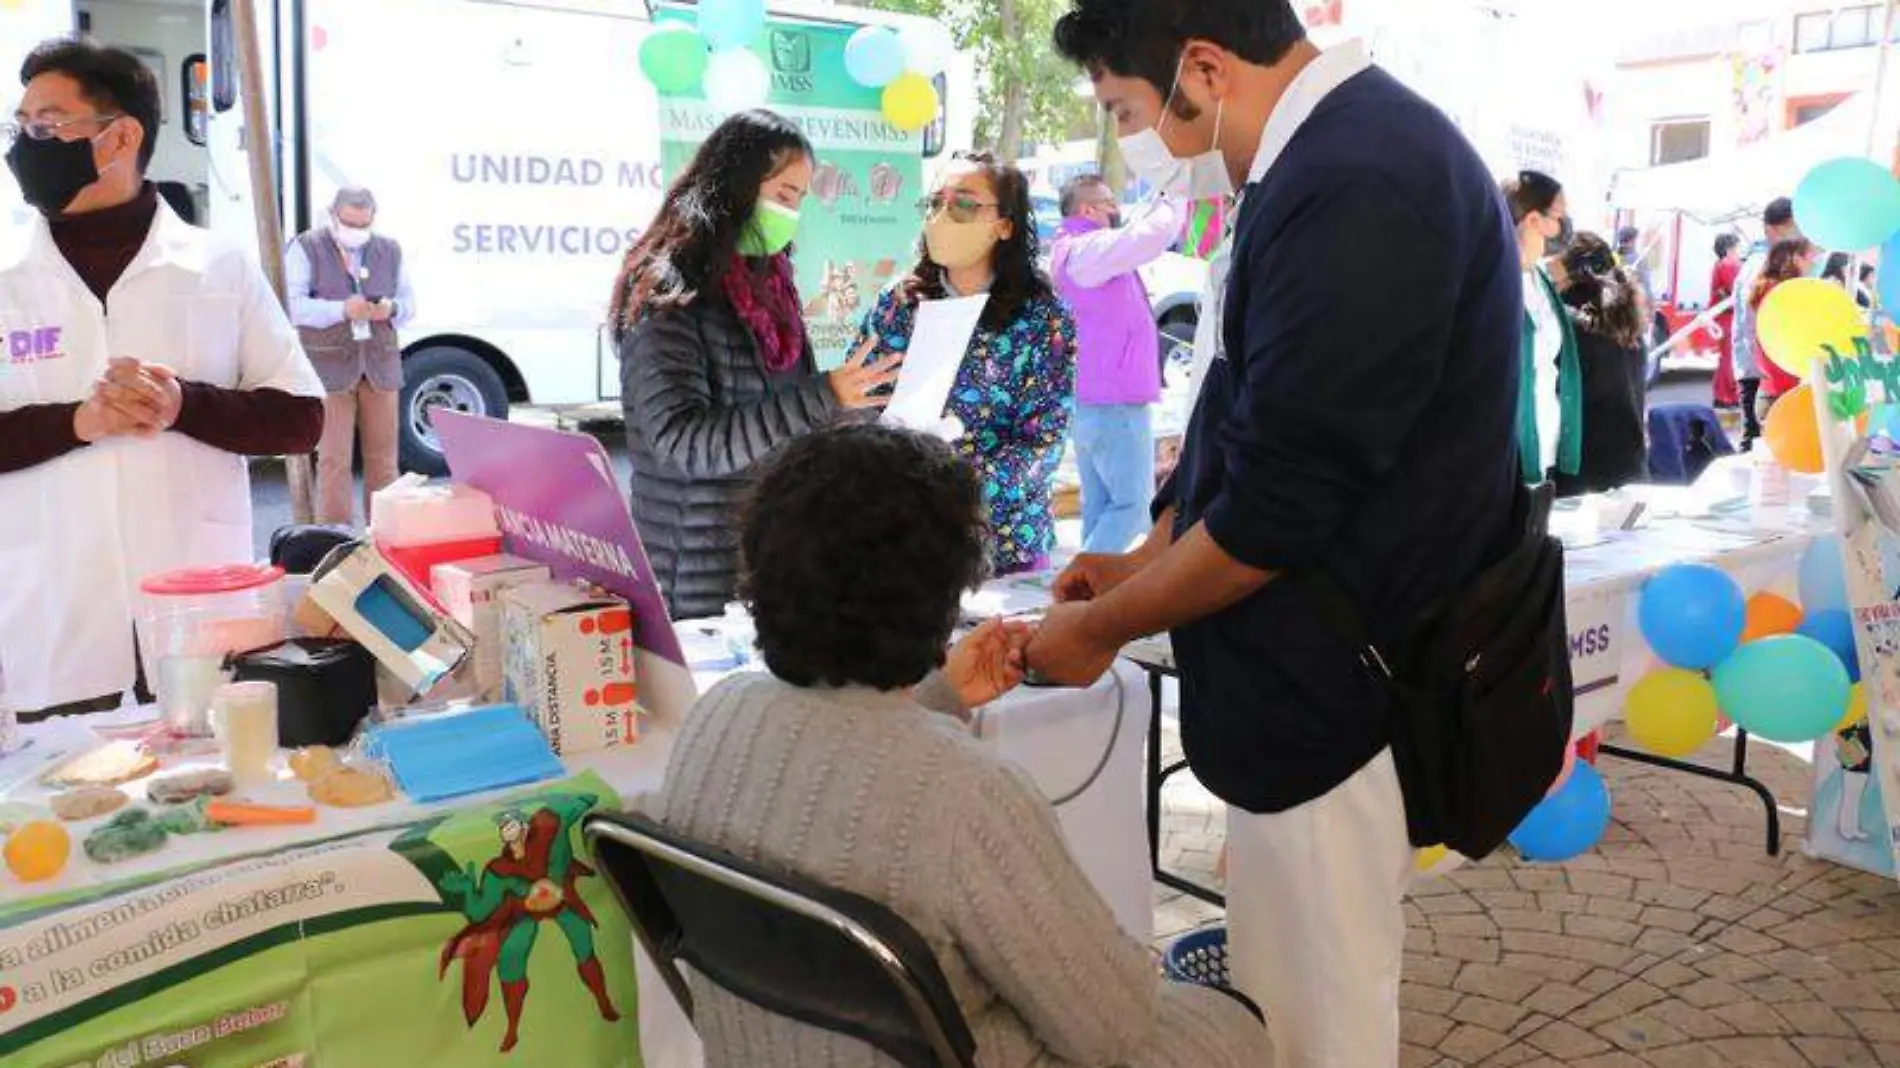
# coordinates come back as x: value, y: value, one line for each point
x: 373, y: 412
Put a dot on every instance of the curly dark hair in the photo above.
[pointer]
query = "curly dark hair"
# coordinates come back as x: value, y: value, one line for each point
x: 1601, y: 292
x: 1018, y: 279
x: 857, y: 546
x: 1144, y: 38
x: 696, y: 234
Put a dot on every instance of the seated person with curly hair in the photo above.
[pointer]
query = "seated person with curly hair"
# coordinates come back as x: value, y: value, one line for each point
x: 848, y: 764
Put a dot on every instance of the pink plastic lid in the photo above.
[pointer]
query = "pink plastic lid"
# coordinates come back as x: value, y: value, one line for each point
x: 202, y: 581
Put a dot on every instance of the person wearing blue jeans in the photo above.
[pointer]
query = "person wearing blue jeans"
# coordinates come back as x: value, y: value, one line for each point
x: 1114, y: 450
x: 1096, y: 263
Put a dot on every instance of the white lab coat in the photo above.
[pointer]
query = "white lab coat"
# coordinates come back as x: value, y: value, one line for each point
x: 78, y: 534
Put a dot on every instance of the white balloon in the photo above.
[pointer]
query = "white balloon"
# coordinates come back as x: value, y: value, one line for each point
x: 928, y: 47
x: 737, y: 81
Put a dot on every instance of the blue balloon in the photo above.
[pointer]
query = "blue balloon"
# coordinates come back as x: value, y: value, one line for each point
x: 1834, y: 628
x: 1692, y: 615
x: 1823, y: 576
x: 874, y: 57
x: 1849, y: 204
x: 1785, y: 689
x: 1568, y: 823
x: 730, y: 24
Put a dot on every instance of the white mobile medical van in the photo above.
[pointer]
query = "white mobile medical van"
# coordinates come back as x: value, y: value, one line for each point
x: 514, y: 148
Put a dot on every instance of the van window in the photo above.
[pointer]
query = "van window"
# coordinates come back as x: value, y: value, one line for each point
x: 938, y: 132
x: 224, y: 57
x: 197, y: 94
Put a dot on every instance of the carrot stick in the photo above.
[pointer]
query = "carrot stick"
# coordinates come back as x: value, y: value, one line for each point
x: 241, y: 814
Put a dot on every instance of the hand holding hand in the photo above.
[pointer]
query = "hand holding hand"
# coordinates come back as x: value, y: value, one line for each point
x: 145, y: 395
x: 854, y: 383
x: 95, y: 421
x: 1067, y: 651
x: 988, y: 663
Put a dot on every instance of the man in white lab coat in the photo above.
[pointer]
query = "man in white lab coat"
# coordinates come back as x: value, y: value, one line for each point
x: 141, y: 361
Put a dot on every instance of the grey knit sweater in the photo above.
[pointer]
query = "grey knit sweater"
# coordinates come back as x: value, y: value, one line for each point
x: 874, y: 794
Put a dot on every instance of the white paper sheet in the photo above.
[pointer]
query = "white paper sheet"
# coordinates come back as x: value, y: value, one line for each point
x: 938, y: 343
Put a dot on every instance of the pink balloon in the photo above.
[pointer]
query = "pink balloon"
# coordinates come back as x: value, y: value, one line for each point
x: 1570, y: 765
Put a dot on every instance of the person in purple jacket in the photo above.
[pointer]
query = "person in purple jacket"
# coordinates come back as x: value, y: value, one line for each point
x: 1118, y: 358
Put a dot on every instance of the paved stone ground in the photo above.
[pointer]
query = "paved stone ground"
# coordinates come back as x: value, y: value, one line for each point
x: 1678, y: 943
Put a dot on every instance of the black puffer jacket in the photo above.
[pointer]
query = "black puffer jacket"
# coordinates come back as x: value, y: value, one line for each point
x: 702, y: 412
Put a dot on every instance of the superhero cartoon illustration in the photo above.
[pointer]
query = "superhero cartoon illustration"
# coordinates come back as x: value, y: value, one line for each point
x: 533, y: 882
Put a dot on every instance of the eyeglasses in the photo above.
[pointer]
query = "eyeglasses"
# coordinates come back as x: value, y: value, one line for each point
x: 961, y: 207
x: 46, y: 131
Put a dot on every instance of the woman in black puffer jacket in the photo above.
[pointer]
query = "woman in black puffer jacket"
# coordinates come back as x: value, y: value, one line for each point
x: 716, y: 372
x: 1607, y: 307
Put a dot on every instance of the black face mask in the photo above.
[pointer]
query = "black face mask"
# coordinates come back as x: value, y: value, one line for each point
x: 52, y: 172
x: 1566, y: 233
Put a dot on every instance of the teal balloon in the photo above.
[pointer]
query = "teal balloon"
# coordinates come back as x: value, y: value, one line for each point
x: 1823, y: 576
x: 874, y: 57
x: 1786, y: 689
x: 1568, y: 823
x: 1848, y: 204
x: 674, y: 58
x: 730, y: 24
x: 1692, y: 615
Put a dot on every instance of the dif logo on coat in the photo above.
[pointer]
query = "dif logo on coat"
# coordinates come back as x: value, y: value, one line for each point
x: 37, y: 345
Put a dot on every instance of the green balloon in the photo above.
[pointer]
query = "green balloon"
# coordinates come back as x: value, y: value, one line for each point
x: 674, y: 58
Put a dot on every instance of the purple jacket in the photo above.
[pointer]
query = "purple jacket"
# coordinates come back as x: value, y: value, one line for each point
x: 1095, y: 268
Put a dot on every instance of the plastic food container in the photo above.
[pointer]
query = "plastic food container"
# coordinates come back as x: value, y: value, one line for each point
x: 190, y: 620
x: 411, y: 513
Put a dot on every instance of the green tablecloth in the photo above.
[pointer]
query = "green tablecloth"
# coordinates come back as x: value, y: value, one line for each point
x: 408, y: 947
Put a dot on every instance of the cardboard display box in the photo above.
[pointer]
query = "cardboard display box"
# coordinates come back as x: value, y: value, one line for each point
x: 567, y: 659
x: 471, y: 591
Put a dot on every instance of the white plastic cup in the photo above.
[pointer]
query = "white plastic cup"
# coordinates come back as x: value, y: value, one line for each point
x: 246, y: 713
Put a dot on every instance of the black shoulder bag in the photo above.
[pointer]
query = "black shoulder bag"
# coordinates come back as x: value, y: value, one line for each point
x: 1480, y: 688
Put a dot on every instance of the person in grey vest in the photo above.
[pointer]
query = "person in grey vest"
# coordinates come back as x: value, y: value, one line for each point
x: 349, y: 295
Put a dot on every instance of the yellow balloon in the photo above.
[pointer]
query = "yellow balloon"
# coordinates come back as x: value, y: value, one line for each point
x: 1431, y: 857
x: 1672, y: 713
x: 910, y: 102
x: 1856, y: 708
x: 1802, y: 318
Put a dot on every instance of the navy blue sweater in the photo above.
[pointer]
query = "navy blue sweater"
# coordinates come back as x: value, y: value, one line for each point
x: 1361, y: 421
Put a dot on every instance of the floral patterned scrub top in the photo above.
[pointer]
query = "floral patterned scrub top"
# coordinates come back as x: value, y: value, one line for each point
x: 1013, y: 396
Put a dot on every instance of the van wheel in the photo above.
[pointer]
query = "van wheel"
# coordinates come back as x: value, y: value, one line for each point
x: 438, y: 378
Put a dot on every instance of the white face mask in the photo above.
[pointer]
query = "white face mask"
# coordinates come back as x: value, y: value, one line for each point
x: 1200, y: 178
x: 350, y: 237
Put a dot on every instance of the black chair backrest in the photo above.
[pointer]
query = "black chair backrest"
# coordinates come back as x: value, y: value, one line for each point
x: 789, y: 945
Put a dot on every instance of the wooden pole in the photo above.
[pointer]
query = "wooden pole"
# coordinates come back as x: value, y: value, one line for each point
x: 260, y: 139
x: 1880, y: 80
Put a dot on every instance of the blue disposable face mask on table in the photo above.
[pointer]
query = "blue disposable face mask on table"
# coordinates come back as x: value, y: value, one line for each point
x: 455, y: 754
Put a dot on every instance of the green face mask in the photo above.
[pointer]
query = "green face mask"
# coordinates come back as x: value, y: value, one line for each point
x: 770, y: 231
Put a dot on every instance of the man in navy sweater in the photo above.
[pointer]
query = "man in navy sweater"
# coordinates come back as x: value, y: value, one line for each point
x: 1359, y: 421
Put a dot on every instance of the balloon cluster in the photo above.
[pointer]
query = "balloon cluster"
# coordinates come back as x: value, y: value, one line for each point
x: 903, y: 64
x: 1848, y: 205
x: 1783, y: 671
x: 716, y: 56
x: 1780, y: 670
